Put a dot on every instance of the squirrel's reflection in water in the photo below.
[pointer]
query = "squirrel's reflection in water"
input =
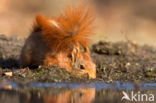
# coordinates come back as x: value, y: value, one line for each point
x: 50, y: 96
x: 72, y: 96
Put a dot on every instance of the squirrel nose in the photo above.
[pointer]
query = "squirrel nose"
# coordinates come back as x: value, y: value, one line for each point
x: 92, y: 73
x: 92, y: 76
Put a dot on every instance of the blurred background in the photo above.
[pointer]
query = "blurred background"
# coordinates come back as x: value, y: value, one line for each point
x: 116, y: 20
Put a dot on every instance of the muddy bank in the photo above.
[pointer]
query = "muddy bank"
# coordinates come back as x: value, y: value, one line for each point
x: 124, y: 61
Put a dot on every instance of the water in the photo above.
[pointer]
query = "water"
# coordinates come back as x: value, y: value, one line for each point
x: 96, y: 92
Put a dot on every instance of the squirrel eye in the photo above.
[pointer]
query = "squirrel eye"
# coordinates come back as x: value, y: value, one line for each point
x: 82, y: 67
x: 69, y: 56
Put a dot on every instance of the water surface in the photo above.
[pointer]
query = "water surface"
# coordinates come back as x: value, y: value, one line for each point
x: 96, y: 92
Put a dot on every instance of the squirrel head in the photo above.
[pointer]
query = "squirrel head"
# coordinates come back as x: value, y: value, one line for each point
x: 81, y: 62
x: 77, y: 61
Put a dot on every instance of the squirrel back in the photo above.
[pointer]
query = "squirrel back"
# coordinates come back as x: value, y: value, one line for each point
x: 72, y: 27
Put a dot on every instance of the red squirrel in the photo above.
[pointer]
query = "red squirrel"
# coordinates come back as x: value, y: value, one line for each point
x: 62, y: 41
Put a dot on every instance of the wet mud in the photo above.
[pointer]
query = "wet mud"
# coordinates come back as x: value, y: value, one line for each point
x: 124, y: 61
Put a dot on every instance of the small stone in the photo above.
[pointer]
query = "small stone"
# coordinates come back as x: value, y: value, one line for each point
x: 9, y: 74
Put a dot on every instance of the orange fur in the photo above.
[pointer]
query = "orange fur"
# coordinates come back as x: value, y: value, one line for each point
x: 75, y: 25
x: 62, y: 41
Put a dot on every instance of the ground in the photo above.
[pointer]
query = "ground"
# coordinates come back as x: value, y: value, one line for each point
x: 124, y: 61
